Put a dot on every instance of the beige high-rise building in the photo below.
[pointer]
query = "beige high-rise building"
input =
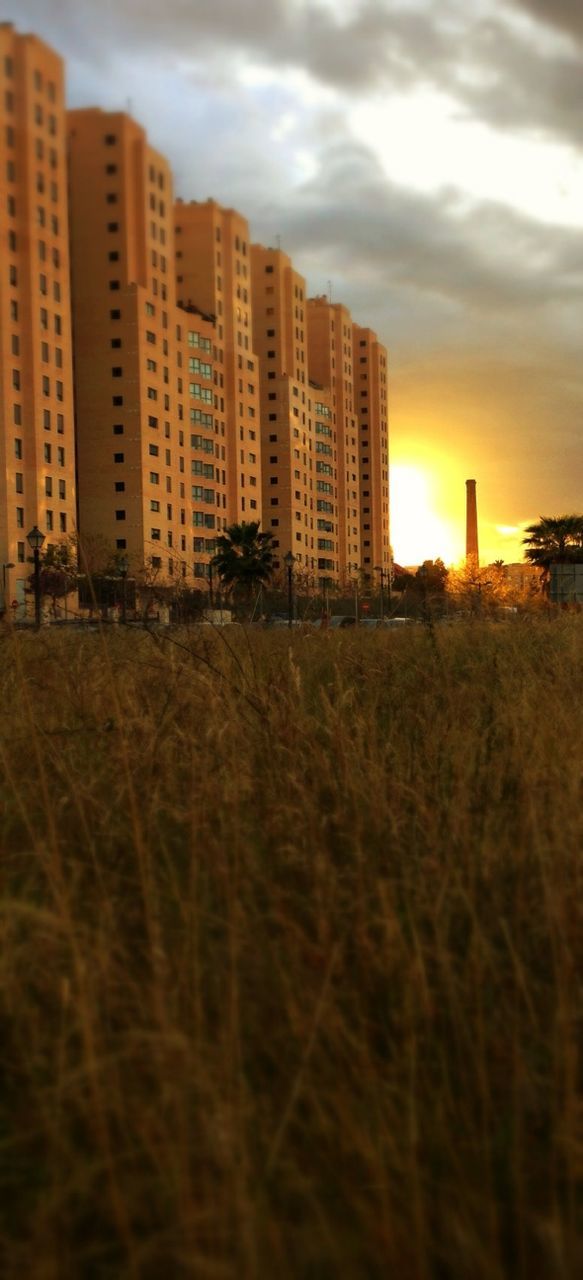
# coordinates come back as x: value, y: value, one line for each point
x: 151, y: 433
x: 37, y: 450
x: 330, y: 363
x: 298, y: 438
x: 370, y: 399
x: 213, y: 273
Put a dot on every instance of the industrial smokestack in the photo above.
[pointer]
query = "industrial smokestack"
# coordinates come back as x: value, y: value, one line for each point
x: 472, y: 554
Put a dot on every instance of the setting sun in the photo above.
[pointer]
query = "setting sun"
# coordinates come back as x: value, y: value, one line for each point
x: 418, y: 531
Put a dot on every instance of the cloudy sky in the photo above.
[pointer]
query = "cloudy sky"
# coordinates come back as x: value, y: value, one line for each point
x: 426, y: 158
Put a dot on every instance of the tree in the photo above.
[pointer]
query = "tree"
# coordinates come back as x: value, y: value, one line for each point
x: 554, y: 540
x: 58, y: 574
x: 432, y: 576
x: 244, y: 557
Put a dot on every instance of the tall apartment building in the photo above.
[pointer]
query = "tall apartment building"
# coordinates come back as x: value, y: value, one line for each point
x: 370, y: 399
x: 37, y: 451
x: 144, y: 369
x: 213, y: 273
x: 298, y: 461
x: 330, y: 362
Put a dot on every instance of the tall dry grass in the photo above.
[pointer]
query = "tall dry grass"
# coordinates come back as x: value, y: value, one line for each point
x: 290, y: 954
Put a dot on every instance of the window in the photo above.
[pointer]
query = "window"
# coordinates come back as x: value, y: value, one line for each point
x: 62, y: 490
x: 60, y: 424
x: 118, y: 457
x: 154, y: 477
x: 120, y: 514
x: 117, y: 372
x: 115, y: 315
x: 20, y: 517
x: 155, y: 535
x: 47, y: 453
x: 153, y: 450
x: 60, y: 455
x: 63, y: 521
x: 48, y: 487
x: 110, y: 139
x: 20, y: 553
x: 154, y: 504
x: 114, y: 285
x: 18, y: 448
x: 50, y: 522
x: 120, y: 486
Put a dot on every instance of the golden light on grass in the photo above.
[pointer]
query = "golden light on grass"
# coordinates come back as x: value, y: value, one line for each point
x: 290, y: 938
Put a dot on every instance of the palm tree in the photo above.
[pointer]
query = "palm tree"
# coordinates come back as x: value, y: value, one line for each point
x: 244, y: 557
x: 554, y: 540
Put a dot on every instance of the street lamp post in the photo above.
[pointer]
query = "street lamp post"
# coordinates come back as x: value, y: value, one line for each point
x: 8, y: 565
x: 350, y: 568
x: 35, y: 541
x: 379, y: 569
x: 123, y: 563
x: 289, y: 561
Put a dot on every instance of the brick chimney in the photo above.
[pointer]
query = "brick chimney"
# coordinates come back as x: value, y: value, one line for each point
x: 472, y: 554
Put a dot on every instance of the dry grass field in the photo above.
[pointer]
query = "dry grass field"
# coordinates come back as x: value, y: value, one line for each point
x: 291, y: 941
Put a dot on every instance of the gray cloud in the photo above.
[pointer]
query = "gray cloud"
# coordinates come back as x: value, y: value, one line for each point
x: 474, y: 256
x: 566, y: 15
x: 495, y: 71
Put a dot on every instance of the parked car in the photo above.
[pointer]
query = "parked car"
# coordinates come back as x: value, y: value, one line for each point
x: 397, y: 622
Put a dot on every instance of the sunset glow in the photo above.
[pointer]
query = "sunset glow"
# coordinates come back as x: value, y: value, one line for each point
x: 419, y: 532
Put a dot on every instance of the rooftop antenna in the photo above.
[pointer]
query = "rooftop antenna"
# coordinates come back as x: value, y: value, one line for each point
x: 330, y: 291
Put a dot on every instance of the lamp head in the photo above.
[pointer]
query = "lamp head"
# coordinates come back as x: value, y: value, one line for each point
x: 289, y: 559
x: 35, y: 539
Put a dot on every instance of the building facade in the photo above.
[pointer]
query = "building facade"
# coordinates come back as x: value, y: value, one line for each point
x: 370, y: 399
x: 37, y: 446
x: 213, y: 274
x: 298, y: 435
x: 145, y: 370
x: 330, y: 362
